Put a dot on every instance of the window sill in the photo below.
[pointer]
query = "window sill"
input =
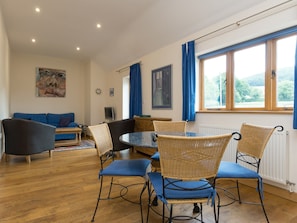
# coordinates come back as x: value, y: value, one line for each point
x: 245, y: 112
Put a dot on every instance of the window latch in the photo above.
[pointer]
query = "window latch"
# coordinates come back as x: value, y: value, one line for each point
x: 273, y: 74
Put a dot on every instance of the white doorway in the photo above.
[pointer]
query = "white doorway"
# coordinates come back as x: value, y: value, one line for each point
x: 126, y: 97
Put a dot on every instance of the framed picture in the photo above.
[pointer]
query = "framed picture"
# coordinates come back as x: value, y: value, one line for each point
x: 161, y: 87
x: 111, y: 92
x: 50, y: 82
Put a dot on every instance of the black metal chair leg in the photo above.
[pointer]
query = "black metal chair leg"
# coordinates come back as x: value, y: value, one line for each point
x: 262, y: 203
x: 201, y: 212
x: 155, y: 201
x: 171, y: 211
x: 238, y: 193
x: 196, y: 209
x: 140, y: 200
x: 163, y: 213
x: 217, y: 216
x: 149, y: 202
x: 110, y: 187
x: 98, y: 199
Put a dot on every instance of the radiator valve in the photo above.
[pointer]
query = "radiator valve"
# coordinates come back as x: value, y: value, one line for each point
x: 291, y: 186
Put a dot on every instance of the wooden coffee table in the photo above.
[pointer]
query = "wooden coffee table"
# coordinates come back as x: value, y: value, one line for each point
x: 69, y: 142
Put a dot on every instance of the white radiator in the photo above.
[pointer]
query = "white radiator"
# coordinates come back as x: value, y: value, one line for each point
x: 274, y: 163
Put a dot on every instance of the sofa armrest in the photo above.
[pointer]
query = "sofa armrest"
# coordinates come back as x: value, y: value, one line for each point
x: 72, y: 124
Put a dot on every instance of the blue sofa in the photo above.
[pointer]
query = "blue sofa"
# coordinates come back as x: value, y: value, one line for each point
x: 65, y: 120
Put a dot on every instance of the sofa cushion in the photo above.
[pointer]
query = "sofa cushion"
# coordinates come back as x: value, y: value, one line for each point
x: 54, y: 119
x: 39, y: 117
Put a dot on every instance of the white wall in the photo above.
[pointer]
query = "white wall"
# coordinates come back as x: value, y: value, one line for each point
x: 4, y: 71
x: 4, y: 76
x: 104, y: 80
x: 171, y: 54
x: 23, y: 80
x: 98, y: 79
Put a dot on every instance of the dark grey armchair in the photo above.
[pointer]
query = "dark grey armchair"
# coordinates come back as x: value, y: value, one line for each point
x: 26, y: 137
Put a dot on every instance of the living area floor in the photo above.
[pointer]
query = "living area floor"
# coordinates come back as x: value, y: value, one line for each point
x: 64, y: 189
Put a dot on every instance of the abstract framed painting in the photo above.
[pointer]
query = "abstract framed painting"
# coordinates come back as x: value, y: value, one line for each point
x: 161, y: 87
x: 50, y: 82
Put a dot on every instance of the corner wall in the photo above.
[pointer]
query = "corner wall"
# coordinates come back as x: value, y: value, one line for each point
x: 4, y: 77
x: 23, y: 81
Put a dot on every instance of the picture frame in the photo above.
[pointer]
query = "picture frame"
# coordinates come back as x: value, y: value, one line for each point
x: 161, y: 87
x: 111, y: 92
x: 50, y: 82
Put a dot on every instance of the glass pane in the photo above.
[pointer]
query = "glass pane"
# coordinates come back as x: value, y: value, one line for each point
x: 285, y: 61
x: 249, y: 77
x: 215, y: 82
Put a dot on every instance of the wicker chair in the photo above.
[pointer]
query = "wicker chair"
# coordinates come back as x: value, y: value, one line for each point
x: 249, y: 152
x: 116, y: 168
x: 188, y: 168
x: 166, y: 126
x: 170, y: 126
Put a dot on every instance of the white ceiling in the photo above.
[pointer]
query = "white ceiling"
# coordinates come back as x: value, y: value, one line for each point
x: 130, y: 28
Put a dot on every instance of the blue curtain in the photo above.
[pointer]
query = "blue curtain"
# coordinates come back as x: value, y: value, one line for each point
x: 135, y: 91
x: 295, y: 92
x: 189, y: 81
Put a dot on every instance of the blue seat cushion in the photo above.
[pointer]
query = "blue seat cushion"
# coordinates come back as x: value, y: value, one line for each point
x: 137, y: 167
x: 156, y: 156
x: 192, y: 189
x: 235, y: 170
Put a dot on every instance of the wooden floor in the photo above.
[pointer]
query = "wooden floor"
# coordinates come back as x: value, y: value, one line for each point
x: 64, y: 189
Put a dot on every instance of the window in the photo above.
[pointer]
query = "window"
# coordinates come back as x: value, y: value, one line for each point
x: 249, y: 76
x: 215, y: 82
x: 285, y: 49
x: 257, y: 75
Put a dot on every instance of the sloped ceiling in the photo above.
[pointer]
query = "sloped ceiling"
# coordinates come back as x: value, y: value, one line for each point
x: 129, y: 28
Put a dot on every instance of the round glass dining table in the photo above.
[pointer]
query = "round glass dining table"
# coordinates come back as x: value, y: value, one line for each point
x: 149, y: 138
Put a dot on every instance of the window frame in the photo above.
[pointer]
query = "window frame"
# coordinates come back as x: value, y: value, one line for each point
x: 270, y: 100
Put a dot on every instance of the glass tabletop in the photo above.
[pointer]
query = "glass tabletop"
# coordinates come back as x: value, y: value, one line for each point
x: 148, y: 138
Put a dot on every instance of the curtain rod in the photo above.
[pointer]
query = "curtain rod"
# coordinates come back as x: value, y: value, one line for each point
x: 242, y: 20
x: 127, y: 67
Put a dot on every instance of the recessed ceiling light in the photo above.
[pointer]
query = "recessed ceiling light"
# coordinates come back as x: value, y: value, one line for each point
x: 77, y: 48
x: 98, y: 26
x: 37, y: 9
x: 33, y: 40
